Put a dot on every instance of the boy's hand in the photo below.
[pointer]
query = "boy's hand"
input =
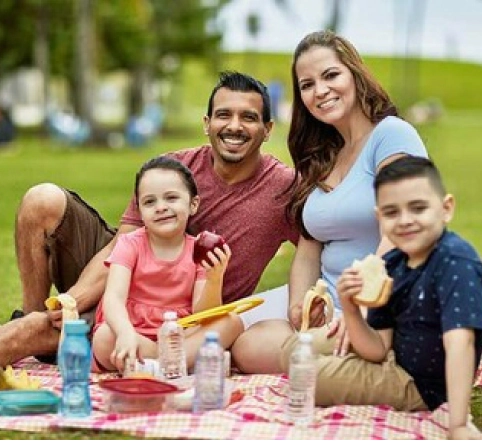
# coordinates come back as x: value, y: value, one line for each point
x: 465, y: 432
x: 349, y: 284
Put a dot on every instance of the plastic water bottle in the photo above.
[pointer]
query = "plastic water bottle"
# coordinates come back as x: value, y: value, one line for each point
x: 302, y: 378
x: 172, y: 355
x: 209, y: 375
x: 74, y: 360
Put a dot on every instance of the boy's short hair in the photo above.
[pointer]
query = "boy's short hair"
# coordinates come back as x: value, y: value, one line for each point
x: 410, y: 167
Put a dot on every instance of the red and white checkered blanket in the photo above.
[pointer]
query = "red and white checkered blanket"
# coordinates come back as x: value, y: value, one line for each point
x: 258, y: 415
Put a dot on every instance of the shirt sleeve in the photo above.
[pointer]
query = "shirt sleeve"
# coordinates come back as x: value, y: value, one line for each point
x: 459, y: 288
x: 124, y: 252
x: 131, y: 215
x: 396, y: 136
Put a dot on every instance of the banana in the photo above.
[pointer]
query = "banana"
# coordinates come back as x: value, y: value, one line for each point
x: 9, y: 379
x: 68, y: 305
x: 319, y: 290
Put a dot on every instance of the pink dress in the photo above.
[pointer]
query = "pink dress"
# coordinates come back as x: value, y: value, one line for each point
x: 156, y: 285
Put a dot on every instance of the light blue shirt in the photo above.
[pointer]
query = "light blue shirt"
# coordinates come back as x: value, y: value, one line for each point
x: 344, y: 219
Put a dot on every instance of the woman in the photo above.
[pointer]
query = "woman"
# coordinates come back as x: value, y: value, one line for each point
x: 344, y: 128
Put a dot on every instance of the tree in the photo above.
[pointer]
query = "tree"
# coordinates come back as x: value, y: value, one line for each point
x: 94, y: 36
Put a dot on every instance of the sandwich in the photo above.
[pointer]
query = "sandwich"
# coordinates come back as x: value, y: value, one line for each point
x: 377, y: 285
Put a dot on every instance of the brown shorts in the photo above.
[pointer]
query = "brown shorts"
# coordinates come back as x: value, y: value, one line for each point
x: 82, y: 233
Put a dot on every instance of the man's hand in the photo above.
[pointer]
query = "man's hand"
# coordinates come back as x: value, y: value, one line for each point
x: 55, y: 317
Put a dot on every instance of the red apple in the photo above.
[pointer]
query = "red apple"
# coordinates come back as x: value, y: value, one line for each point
x: 205, y: 242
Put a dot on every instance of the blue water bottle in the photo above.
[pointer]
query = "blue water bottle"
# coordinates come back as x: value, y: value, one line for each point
x: 74, y: 360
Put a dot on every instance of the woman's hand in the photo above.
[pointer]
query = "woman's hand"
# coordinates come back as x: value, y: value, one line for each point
x: 316, y: 317
x: 338, y: 330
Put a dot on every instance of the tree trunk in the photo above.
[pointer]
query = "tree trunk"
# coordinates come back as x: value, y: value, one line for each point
x: 42, y: 53
x: 84, y: 61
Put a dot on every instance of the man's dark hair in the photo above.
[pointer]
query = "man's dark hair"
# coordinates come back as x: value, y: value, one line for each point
x: 241, y: 82
x: 410, y: 167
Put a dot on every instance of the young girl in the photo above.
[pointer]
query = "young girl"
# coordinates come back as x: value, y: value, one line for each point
x: 151, y: 270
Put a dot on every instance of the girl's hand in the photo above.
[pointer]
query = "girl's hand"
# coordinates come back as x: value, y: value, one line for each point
x: 126, y: 348
x: 219, y: 259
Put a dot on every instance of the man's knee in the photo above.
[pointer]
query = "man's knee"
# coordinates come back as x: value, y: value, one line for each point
x: 43, y: 202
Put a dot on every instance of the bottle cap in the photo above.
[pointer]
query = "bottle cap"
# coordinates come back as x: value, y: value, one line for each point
x: 78, y: 326
x: 211, y: 336
x: 304, y: 337
x: 170, y: 315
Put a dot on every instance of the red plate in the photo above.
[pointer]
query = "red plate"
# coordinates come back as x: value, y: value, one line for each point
x: 138, y: 386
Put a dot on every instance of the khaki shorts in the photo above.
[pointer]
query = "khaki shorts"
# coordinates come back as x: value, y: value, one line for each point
x: 353, y: 380
x: 82, y: 233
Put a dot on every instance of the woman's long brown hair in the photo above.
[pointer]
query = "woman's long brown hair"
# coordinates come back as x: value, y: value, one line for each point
x: 314, y: 145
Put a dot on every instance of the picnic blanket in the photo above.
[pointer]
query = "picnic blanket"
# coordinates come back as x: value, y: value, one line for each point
x: 259, y: 414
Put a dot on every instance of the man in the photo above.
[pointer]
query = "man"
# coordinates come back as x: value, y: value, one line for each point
x: 61, y: 240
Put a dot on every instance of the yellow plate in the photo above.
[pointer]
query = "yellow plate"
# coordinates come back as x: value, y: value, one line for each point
x: 238, y: 307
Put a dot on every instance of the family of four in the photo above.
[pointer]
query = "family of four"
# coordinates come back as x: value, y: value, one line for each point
x: 362, y: 183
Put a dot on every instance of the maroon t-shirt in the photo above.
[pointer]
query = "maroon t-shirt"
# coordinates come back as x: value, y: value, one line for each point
x: 250, y: 216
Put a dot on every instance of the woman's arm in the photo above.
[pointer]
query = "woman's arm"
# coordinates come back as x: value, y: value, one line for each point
x: 304, y: 272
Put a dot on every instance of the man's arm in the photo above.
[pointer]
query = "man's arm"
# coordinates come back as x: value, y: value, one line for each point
x: 91, y: 284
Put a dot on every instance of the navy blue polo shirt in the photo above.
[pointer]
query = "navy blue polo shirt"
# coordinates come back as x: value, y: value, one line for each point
x: 442, y: 294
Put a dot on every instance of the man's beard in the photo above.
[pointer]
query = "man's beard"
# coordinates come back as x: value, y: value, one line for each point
x: 230, y: 159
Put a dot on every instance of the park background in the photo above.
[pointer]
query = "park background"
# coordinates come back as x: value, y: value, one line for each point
x: 434, y: 77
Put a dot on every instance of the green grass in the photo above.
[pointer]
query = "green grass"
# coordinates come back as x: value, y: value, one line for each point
x: 105, y: 177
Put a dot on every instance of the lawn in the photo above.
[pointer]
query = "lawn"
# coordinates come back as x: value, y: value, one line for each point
x: 105, y: 177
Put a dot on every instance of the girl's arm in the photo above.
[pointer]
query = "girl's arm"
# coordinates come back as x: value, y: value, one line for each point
x: 459, y: 377
x: 115, y: 311
x: 304, y: 272
x: 209, y: 293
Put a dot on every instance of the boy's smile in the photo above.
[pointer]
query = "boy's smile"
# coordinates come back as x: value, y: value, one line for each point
x: 413, y: 215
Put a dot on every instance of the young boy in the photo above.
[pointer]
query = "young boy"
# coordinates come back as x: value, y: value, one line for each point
x: 423, y: 347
